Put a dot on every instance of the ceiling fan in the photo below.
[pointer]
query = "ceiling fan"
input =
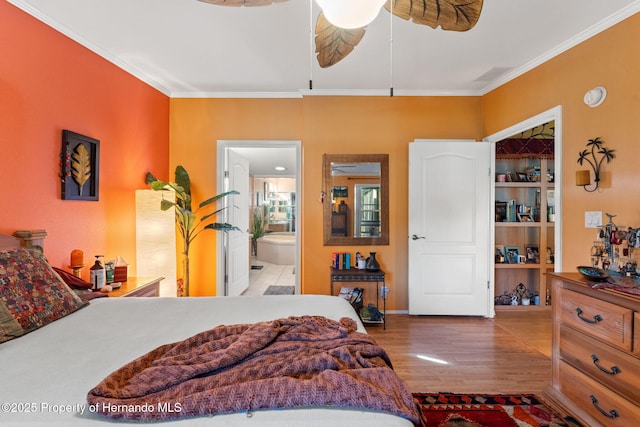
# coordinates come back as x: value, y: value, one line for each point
x: 334, y: 43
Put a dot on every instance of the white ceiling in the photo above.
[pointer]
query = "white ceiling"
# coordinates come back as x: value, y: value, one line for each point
x: 187, y: 48
x: 264, y: 159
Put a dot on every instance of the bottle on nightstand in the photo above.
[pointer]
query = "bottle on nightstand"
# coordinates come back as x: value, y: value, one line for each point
x: 97, y: 274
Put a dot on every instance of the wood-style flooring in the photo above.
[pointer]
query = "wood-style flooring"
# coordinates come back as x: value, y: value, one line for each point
x: 510, y: 353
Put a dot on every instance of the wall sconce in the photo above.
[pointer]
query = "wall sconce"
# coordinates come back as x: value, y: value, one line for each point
x: 583, y: 177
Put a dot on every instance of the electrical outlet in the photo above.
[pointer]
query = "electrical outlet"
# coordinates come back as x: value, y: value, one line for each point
x: 593, y: 219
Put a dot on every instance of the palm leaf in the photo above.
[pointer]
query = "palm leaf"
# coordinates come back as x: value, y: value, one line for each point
x: 450, y: 15
x: 334, y: 43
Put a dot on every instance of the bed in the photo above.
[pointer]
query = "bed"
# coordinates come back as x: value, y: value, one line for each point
x: 47, y: 373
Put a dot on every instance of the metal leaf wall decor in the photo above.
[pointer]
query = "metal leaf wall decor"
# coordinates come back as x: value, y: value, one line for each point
x: 81, y: 166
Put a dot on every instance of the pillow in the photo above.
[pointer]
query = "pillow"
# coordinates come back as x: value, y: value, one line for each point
x: 72, y: 281
x: 32, y: 292
x: 9, y: 327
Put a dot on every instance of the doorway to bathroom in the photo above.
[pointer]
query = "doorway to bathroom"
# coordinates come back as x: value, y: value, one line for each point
x: 265, y: 258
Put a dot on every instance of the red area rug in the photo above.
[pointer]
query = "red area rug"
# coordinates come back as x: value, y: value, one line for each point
x: 484, y: 410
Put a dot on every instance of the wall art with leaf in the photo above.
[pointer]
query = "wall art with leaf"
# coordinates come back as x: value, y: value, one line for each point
x: 79, y: 166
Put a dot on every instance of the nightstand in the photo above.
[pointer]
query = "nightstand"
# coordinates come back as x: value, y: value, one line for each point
x: 138, y: 287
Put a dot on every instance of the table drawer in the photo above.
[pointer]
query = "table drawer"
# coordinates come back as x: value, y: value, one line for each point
x: 582, y: 389
x: 623, y: 370
x: 609, y: 322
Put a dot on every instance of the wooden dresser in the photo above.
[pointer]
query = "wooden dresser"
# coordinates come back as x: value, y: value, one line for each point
x: 595, y: 353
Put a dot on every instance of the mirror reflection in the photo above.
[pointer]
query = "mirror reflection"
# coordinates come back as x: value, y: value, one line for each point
x: 356, y: 205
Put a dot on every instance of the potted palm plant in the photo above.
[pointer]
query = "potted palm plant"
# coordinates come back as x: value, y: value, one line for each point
x: 187, y: 221
x: 257, y: 228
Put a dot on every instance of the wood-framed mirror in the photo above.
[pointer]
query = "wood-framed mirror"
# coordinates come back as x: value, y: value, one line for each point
x: 356, y: 202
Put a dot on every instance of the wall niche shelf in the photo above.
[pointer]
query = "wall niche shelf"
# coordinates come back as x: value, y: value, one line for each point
x: 524, y: 224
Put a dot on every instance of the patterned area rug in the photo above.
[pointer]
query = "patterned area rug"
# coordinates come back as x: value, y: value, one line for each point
x: 472, y: 410
x: 280, y: 290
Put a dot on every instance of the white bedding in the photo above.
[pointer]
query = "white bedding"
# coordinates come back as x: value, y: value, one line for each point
x: 46, y: 374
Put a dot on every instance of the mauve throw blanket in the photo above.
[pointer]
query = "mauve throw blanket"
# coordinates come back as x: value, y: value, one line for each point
x: 294, y: 362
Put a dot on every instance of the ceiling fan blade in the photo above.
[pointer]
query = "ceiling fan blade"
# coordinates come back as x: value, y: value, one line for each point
x: 450, y: 15
x: 247, y: 3
x: 334, y: 43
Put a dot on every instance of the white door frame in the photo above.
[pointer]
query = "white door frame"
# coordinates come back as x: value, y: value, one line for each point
x: 553, y: 114
x: 220, y: 181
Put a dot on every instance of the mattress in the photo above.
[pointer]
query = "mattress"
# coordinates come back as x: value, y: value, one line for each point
x: 46, y: 374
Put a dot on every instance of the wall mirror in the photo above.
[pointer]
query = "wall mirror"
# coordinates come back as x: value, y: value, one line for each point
x: 356, y: 203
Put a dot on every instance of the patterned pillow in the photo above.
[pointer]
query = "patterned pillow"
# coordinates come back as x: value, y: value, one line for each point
x: 9, y: 327
x: 31, y: 292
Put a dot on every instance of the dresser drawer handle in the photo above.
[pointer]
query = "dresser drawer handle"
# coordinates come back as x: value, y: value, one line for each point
x: 611, y: 414
x: 614, y: 369
x: 597, y: 318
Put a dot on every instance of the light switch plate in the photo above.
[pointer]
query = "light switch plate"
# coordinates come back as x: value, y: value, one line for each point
x: 593, y: 219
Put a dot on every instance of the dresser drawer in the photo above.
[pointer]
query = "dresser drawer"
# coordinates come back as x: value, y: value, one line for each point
x: 609, y: 322
x: 582, y: 390
x: 588, y: 354
x: 636, y: 334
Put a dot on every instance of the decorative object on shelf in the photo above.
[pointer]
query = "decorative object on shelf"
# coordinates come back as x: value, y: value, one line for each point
x: 593, y: 273
x: 532, y: 254
x: 187, y: 221
x: 583, y: 177
x: 79, y: 167
x: 613, y: 248
x: 520, y: 295
x: 512, y: 253
x: 595, y: 96
x: 372, y: 262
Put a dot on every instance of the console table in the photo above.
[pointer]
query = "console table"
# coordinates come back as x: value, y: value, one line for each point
x: 356, y: 275
x: 138, y: 287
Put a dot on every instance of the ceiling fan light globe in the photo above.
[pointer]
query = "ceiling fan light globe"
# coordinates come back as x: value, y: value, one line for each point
x: 350, y: 14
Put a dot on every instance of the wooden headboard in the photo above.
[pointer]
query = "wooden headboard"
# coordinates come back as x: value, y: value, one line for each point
x: 23, y: 239
x: 8, y: 242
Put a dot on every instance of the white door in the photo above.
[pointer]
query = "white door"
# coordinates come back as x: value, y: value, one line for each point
x: 449, y: 228
x: 237, y: 263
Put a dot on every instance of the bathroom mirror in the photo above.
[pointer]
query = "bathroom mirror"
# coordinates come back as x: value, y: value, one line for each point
x: 356, y: 199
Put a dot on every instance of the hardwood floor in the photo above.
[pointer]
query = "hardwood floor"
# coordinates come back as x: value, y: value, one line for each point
x: 510, y: 353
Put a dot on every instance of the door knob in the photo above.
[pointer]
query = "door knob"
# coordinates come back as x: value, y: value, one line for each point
x: 414, y: 237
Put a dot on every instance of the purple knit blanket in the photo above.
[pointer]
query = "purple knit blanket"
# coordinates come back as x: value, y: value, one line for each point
x: 307, y: 361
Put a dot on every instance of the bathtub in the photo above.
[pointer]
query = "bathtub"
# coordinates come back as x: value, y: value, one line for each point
x: 277, y: 248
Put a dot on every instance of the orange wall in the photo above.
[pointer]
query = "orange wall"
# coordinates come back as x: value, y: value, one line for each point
x: 196, y: 126
x: 324, y: 125
x: 609, y: 59
x: 49, y: 83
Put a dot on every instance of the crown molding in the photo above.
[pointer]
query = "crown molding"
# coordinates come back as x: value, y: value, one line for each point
x: 595, y: 29
x: 89, y: 45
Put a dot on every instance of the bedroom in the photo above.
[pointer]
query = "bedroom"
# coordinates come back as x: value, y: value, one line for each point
x: 143, y: 129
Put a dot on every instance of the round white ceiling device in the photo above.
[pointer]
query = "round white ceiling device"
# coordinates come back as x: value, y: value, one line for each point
x: 595, y: 96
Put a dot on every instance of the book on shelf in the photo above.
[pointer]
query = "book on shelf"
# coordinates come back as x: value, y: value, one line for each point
x: 341, y: 260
